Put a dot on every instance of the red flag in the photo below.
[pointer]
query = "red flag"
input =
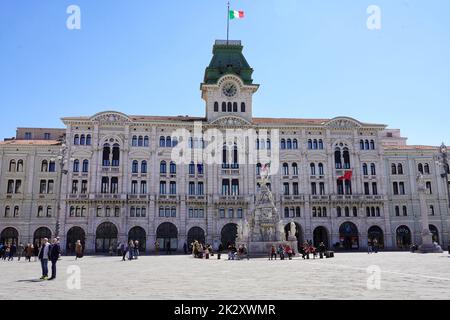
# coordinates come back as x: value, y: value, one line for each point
x: 347, y: 175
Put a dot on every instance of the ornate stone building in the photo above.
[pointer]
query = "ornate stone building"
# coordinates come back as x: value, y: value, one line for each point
x: 115, y: 178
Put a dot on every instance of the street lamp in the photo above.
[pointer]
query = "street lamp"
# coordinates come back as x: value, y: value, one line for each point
x: 443, y: 162
x: 62, y: 153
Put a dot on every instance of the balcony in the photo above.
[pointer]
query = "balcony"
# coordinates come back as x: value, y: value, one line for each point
x: 108, y: 196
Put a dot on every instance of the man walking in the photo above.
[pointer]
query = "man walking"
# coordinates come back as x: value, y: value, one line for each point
x: 43, y: 256
x: 55, y: 251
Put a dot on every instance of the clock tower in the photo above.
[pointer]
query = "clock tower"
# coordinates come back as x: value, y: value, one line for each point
x: 228, y: 85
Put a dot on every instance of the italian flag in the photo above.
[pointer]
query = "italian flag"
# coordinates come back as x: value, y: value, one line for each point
x: 236, y: 14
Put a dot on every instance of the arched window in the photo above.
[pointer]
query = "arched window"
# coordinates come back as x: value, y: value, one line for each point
x: 297, y: 212
x: 144, y: 166
x: 361, y: 144
x: 192, y: 168
x: 162, y: 142
x: 372, y: 211
x: 19, y: 166
x: 324, y: 211
x: 283, y: 144
x: 378, y: 211
x: 163, y: 167
x: 339, y: 211
x: 230, y: 107
x: 346, y: 156
x: 106, y: 154
x: 337, y: 158
x: 82, y: 140
x: 314, y: 212
x: 85, y: 166
x: 315, y: 145
x: 7, y: 211
x: 258, y: 169
x: 134, y: 167
x: 289, y: 144
x: 431, y: 210
x: 40, y: 211
x: 76, y: 140
x: 146, y: 141
x: 12, y: 166
x: 426, y: 168
x: 400, y: 168
x: 313, y: 169
x: 44, y: 166
x: 355, y: 211
x: 397, y: 211
x: 116, y: 155
x: 372, y: 145
x: 428, y: 186
x: 243, y: 107
x: 405, y: 211
x: 268, y: 144
x: 309, y: 144
x: 367, y: 211
x: 285, y: 169
x: 173, y: 168
x: 295, y: 144
x: 168, y: 142
x: 88, y: 140
x: 366, y: 145
x: 235, y: 107
x: 321, y: 144
x: 76, y: 166
x: 373, y: 170
x: 347, y: 211
x: 224, y: 107
x: 286, y: 212
x: 295, y: 169
x: 321, y: 172
x: 140, y: 141
x: 420, y: 168
x: 393, y: 169
x: 365, y: 172
x: 134, y: 141
x: 216, y: 106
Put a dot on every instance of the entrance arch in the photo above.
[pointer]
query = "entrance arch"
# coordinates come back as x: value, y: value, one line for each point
x: 106, y: 237
x: 9, y: 235
x: 320, y: 234
x: 139, y: 234
x: 196, y: 233
x: 403, y: 237
x: 435, y: 232
x: 375, y: 232
x: 348, y: 236
x: 298, y: 233
x: 40, y: 234
x: 167, y: 236
x: 228, y: 234
x: 73, y: 235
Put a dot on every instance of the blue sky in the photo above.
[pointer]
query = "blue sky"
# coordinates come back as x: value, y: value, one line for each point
x: 313, y: 59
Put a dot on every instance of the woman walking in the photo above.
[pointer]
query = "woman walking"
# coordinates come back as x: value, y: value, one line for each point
x: 29, y: 252
x: 78, y: 250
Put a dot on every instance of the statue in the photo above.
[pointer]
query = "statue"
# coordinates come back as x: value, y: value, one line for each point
x: 420, y: 182
x: 293, y: 229
x: 281, y: 230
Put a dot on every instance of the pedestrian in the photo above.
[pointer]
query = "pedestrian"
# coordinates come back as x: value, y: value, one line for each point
x: 78, y: 250
x: 157, y: 248
x: 289, y: 251
x: 369, y: 246
x: 273, y: 253
x: 124, y: 253
x: 119, y: 248
x: 7, y: 252
x: 55, y: 252
x: 136, y: 249
x: 206, y: 251
x: 280, y: 252
x: 20, y: 251
x: 321, y: 250
x: 130, y: 250
x: 29, y: 252
x: 168, y: 249
x: 376, y: 246
x: 36, y: 249
x: 219, y: 251
x: 185, y: 248
x: 2, y: 251
x: 44, y: 255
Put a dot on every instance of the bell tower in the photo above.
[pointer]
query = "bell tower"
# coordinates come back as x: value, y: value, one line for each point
x: 228, y: 86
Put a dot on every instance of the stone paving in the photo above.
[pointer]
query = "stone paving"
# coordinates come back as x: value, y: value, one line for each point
x: 403, y: 276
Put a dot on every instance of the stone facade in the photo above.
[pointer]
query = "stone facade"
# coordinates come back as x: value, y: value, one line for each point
x: 112, y: 173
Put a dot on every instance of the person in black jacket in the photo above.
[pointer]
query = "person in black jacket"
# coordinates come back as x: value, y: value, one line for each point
x: 55, y: 252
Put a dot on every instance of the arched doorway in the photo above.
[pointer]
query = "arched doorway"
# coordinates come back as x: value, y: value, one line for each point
x: 435, y: 233
x: 298, y: 234
x: 196, y: 233
x: 375, y: 232
x: 403, y: 237
x: 73, y: 235
x: 106, y: 237
x: 320, y: 234
x: 348, y: 236
x: 228, y: 234
x: 40, y: 234
x: 139, y: 234
x: 167, y: 236
x: 9, y: 236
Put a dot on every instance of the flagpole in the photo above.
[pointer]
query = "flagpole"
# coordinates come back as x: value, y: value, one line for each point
x: 228, y: 22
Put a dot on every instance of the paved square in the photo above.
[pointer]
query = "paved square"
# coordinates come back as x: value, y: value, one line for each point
x: 403, y: 276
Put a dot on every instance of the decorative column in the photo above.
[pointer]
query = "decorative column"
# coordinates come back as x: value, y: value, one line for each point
x: 427, y: 245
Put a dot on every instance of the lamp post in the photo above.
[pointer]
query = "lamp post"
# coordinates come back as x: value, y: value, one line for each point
x: 62, y: 161
x: 443, y: 161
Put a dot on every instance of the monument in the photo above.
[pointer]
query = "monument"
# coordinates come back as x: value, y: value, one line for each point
x: 263, y: 227
x: 427, y: 246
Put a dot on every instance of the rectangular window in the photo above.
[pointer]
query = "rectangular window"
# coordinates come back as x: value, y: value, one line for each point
x: 340, y: 187
x: 173, y: 212
x: 74, y: 186
x: 191, y: 213
x: 42, y: 186
x: 50, y: 186
x: 99, y: 211
x: 226, y: 187
x: 235, y: 187
x: 28, y: 136
x: 162, y: 187
x: 374, y: 188
x: 191, y: 188
x: 114, y: 185
x: 322, y: 188
x: 313, y: 188
x: 230, y: 213
x: 295, y: 188
x: 173, y: 187
x: 286, y: 189
x: 222, y: 213
x: 366, y: 188
x: 46, y: 136
x: 239, y: 213
x: 84, y: 185
x: 161, y: 212
x: 143, y: 187
x: 200, y: 188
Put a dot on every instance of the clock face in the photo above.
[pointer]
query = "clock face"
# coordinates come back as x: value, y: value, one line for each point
x: 229, y: 89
